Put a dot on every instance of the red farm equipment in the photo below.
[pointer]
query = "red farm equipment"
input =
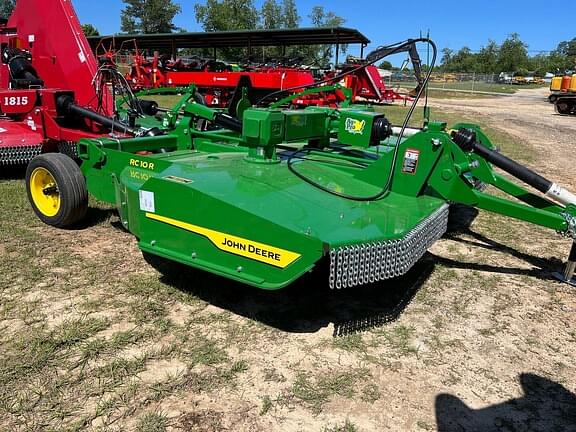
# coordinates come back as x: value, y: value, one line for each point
x: 367, y: 85
x: 52, y: 91
x: 215, y: 80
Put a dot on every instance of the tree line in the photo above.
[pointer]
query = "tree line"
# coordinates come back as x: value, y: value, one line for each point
x: 157, y: 16
x: 510, y: 56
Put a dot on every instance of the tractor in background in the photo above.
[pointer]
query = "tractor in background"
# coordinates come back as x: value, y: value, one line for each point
x: 563, y: 94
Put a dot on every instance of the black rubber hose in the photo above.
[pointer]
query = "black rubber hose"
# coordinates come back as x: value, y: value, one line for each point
x: 228, y: 122
x: 67, y: 105
x: 466, y: 140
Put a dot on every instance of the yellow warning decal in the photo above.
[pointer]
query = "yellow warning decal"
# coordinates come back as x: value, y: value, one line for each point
x: 236, y: 245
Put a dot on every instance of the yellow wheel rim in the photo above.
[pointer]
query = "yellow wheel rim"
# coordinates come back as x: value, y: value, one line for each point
x: 44, y: 191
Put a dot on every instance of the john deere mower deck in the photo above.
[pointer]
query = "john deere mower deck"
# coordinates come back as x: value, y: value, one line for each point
x: 263, y: 198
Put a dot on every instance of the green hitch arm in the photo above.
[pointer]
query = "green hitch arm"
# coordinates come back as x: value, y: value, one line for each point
x: 557, y: 210
x: 466, y: 140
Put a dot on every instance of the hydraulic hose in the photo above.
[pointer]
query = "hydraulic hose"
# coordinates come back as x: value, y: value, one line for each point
x: 378, y: 54
x: 392, y: 49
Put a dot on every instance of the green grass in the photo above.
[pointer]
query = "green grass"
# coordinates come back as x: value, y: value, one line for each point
x: 164, y: 101
x: 351, y: 343
x: 267, y: 405
x: 347, y: 426
x: 314, y: 391
x: 152, y: 422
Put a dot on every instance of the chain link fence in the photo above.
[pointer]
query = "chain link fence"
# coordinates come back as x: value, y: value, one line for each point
x: 502, y: 83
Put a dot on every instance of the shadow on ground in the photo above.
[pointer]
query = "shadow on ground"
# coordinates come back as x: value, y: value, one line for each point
x: 545, y: 406
x: 461, y: 218
x: 308, y: 304
x: 13, y: 172
x: 541, y: 268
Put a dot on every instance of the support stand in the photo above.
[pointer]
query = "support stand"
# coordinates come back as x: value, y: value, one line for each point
x: 568, y: 275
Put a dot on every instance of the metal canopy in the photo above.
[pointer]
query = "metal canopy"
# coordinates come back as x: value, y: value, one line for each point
x: 243, y: 38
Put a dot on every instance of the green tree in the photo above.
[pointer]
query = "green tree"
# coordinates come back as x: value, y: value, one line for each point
x: 271, y: 18
x: 225, y: 15
x: 149, y: 16
x: 222, y: 15
x: 567, y: 48
x: 290, y: 17
x: 466, y: 59
x: 513, y: 54
x: 385, y: 65
x: 90, y: 30
x: 271, y: 15
x: 6, y: 7
x: 323, y: 18
x: 487, y: 58
x: 321, y: 55
x: 461, y: 61
x: 542, y: 63
x: 563, y: 57
x: 447, y: 54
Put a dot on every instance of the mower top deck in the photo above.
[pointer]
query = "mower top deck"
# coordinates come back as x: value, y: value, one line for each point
x: 271, y: 192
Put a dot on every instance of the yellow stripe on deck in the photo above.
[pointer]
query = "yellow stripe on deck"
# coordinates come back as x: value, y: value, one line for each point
x: 236, y: 245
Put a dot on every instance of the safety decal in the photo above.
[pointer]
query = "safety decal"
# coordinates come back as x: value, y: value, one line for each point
x: 410, y: 163
x: 147, y: 201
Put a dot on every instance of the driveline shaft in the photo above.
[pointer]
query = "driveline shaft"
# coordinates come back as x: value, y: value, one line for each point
x: 66, y: 104
x: 467, y: 141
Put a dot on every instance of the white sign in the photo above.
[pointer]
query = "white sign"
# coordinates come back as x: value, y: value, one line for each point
x: 147, y: 202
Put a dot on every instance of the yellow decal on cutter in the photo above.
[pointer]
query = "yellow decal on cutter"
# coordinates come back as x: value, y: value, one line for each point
x: 355, y: 127
x: 236, y: 245
x: 142, y: 164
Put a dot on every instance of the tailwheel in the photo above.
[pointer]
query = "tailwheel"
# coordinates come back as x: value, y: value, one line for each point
x: 56, y: 189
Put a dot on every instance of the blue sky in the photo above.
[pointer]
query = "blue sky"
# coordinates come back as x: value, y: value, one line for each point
x: 451, y: 23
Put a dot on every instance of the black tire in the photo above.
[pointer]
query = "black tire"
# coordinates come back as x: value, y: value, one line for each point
x: 562, y: 107
x: 58, y: 178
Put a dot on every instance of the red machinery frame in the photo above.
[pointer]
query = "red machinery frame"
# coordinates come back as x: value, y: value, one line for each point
x: 217, y: 83
x: 217, y: 86
x: 45, y: 39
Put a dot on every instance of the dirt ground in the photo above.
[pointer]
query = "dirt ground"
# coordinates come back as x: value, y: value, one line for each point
x: 478, y: 337
x: 528, y: 116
